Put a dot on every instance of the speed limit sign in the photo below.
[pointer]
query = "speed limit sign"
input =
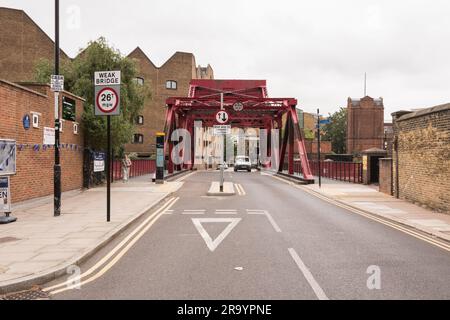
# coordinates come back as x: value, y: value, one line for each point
x: 107, y: 100
x: 107, y: 93
x: 222, y: 117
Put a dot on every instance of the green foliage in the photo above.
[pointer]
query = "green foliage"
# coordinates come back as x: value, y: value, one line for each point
x: 336, y: 131
x: 79, y: 79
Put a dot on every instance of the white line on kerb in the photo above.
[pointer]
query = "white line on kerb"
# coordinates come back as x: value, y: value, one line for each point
x: 320, y: 294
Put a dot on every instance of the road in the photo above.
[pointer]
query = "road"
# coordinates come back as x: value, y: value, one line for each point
x: 270, y: 241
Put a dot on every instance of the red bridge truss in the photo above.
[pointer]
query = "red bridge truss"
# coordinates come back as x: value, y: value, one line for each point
x: 259, y: 111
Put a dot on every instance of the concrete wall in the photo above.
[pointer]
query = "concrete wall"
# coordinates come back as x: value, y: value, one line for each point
x: 423, y: 160
x: 34, y: 177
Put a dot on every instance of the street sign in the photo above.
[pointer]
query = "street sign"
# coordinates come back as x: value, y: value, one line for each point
x: 325, y: 121
x: 222, y: 117
x: 57, y: 82
x: 5, y: 197
x: 99, y: 161
x: 221, y: 129
x: 238, y: 106
x: 107, y: 93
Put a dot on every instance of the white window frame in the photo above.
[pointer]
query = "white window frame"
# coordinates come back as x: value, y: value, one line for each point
x: 35, y: 119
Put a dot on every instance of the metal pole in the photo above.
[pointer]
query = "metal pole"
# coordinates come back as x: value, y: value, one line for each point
x: 223, y: 139
x: 318, y: 148
x: 108, y: 170
x: 57, y: 166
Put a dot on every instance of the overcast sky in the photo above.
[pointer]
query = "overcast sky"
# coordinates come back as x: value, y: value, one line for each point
x: 316, y: 51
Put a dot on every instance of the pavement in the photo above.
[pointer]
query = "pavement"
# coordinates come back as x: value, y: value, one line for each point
x: 39, y: 247
x: 271, y: 240
x: 368, y: 199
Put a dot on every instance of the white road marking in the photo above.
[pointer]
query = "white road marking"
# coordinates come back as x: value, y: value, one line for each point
x: 199, y: 211
x: 184, y: 177
x: 320, y: 294
x: 213, y: 244
x: 423, y: 237
x: 242, y: 189
x: 268, y: 215
x: 142, y: 229
x: 226, y: 211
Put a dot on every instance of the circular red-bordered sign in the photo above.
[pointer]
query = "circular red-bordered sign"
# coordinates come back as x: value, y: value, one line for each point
x: 222, y: 117
x: 107, y: 100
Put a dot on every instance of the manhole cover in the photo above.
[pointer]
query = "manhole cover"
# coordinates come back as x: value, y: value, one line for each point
x: 8, y: 239
x: 33, y: 294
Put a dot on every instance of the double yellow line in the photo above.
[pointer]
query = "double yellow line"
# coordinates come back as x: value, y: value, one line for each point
x: 109, y: 260
x: 424, y: 237
x: 240, y: 189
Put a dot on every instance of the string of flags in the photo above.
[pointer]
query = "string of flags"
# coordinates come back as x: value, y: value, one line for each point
x: 37, y: 147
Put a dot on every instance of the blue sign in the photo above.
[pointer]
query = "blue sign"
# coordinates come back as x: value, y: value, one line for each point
x: 26, y: 122
x: 99, y: 161
x: 325, y: 121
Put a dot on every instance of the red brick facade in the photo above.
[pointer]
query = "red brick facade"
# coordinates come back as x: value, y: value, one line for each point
x: 365, y: 124
x: 34, y: 177
x: 22, y: 45
x: 181, y: 69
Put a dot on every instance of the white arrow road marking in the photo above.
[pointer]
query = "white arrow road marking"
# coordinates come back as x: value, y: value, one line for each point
x: 213, y: 244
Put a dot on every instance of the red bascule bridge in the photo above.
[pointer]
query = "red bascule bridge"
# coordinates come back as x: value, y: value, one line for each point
x: 258, y: 111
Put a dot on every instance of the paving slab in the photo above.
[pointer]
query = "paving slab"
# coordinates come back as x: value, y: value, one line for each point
x: 39, y: 247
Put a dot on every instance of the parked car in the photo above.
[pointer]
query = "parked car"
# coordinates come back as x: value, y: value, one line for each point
x: 242, y: 163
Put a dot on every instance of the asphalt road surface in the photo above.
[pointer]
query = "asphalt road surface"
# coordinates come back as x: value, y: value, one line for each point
x: 269, y: 241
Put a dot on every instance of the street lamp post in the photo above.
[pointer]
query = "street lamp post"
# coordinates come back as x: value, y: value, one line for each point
x: 57, y: 166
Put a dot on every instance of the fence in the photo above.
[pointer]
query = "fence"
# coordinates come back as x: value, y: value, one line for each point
x: 138, y: 168
x: 336, y: 170
x: 343, y: 171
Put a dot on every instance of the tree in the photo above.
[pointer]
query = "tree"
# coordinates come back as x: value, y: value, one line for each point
x: 336, y: 131
x: 79, y: 79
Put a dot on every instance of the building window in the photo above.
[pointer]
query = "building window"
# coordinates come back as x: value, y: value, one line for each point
x: 140, y: 120
x: 138, y: 138
x: 35, y: 119
x: 171, y: 84
x: 139, y: 81
x: 68, y: 109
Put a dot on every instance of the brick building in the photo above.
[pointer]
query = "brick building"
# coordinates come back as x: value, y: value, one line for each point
x: 308, y: 122
x: 422, y: 156
x: 22, y: 45
x: 365, y: 124
x: 171, y: 79
x: 35, y: 154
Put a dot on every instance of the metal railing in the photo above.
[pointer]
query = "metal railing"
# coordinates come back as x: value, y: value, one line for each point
x: 138, y: 168
x: 337, y: 170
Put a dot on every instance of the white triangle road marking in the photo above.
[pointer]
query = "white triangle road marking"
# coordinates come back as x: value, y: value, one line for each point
x: 213, y: 244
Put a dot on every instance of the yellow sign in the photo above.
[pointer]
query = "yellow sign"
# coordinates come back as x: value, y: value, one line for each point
x: 364, y: 163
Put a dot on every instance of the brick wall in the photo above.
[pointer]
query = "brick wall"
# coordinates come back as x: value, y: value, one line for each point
x: 385, y: 178
x: 181, y: 68
x: 365, y: 124
x: 22, y: 44
x: 34, y: 177
x: 423, y: 157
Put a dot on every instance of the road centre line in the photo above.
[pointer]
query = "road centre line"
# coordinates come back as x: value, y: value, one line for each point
x: 237, y: 188
x: 144, y: 226
x: 320, y: 294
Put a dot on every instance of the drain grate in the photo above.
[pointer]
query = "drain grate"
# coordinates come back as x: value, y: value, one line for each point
x: 8, y: 239
x: 33, y: 294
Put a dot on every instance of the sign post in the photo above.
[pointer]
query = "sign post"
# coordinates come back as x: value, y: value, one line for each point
x: 7, y: 168
x: 222, y: 118
x: 159, y: 174
x: 318, y: 148
x: 107, y: 103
